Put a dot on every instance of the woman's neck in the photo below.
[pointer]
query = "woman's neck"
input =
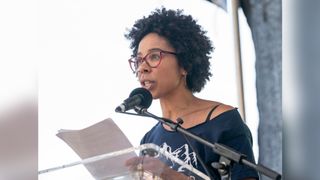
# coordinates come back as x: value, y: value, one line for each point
x: 174, y: 105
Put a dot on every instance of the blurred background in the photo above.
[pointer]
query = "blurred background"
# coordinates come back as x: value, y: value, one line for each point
x: 63, y: 65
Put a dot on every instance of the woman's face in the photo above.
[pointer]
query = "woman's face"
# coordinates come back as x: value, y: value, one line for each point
x: 167, y: 77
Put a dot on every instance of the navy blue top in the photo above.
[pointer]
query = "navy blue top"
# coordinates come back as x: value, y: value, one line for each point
x: 227, y: 129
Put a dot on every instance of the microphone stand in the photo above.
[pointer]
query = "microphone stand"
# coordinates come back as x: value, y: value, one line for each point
x: 228, y: 156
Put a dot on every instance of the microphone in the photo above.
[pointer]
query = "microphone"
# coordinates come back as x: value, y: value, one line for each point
x: 138, y: 97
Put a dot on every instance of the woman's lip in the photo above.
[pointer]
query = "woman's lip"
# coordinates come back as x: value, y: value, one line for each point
x: 148, y: 84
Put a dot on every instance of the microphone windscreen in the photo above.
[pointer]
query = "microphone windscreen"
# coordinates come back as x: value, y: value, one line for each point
x: 145, y: 94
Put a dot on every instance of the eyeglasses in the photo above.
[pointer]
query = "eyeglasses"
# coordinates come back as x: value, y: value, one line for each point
x: 153, y: 59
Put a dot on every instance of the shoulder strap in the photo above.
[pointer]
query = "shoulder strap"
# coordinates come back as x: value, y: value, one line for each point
x: 211, y: 111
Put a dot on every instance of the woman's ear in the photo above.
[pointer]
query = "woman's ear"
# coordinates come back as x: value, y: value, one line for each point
x: 183, y: 72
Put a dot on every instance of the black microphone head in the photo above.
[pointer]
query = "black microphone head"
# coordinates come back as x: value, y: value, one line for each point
x: 146, y: 96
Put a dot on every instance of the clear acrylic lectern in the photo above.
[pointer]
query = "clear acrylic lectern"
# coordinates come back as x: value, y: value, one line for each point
x: 146, y: 161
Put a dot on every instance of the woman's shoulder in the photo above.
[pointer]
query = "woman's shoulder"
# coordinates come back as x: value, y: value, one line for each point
x: 218, y: 109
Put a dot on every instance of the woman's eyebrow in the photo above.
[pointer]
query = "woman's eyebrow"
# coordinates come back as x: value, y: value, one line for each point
x: 150, y: 50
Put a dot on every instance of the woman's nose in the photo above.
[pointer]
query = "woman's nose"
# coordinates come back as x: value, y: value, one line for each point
x: 143, y: 68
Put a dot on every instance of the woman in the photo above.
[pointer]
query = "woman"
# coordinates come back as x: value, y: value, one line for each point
x: 171, y: 60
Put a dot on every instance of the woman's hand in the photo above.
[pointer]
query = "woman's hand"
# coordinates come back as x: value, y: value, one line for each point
x: 155, y: 167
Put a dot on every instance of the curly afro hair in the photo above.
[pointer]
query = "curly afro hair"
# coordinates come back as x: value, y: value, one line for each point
x: 192, y: 46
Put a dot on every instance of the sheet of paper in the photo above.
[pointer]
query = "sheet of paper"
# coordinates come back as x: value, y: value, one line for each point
x: 100, y: 138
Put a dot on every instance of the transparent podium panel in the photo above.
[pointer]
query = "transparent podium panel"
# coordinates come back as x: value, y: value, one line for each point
x: 147, y: 161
